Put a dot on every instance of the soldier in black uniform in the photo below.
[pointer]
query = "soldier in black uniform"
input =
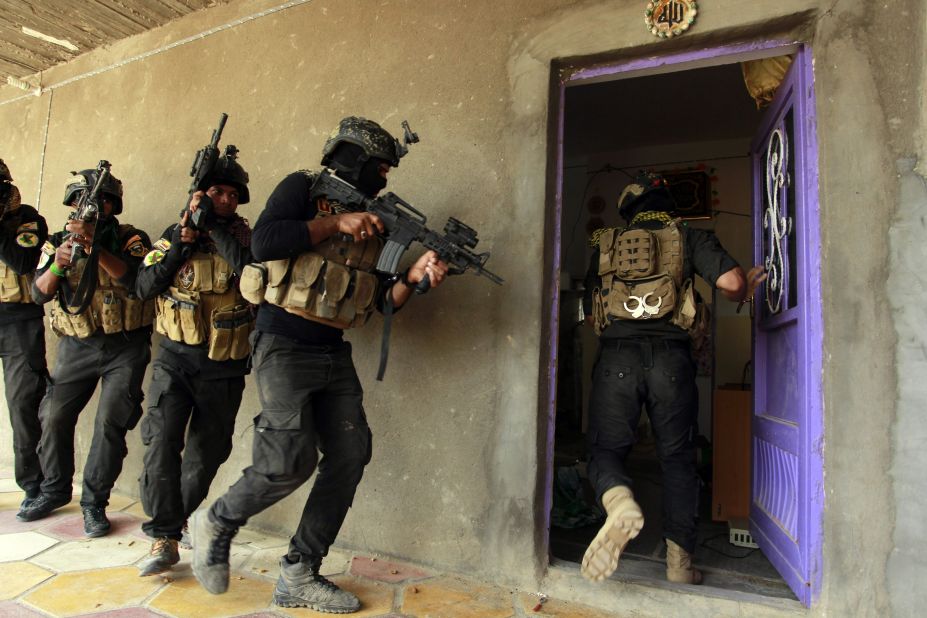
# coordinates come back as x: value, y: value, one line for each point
x: 640, y: 295
x: 107, y: 338
x: 320, y: 279
x: 199, y: 374
x: 22, y: 332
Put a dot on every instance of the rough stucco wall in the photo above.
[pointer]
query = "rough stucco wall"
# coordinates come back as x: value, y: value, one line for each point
x: 455, y: 479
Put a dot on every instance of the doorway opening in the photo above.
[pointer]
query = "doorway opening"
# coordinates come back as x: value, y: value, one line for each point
x: 695, y: 126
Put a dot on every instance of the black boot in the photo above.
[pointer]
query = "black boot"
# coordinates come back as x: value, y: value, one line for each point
x: 95, y: 521
x: 300, y: 585
x: 40, y: 507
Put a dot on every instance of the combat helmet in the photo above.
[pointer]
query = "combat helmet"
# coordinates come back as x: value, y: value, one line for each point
x: 9, y: 194
x: 84, y: 181
x: 228, y: 171
x: 647, y: 191
x: 370, y: 136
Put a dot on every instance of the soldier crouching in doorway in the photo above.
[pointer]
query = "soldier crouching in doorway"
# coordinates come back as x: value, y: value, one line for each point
x: 641, y: 300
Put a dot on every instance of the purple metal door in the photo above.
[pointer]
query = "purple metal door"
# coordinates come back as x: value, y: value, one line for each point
x: 787, y: 493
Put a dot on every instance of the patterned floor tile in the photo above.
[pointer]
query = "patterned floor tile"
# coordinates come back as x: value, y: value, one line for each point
x: 23, y: 545
x: 452, y: 598
x: 384, y: 570
x: 93, y: 591
x: 376, y: 599
x: 266, y: 563
x: 10, y: 609
x: 18, y: 577
x: 185, y: 598
x: 71, y: 528
x: 104, y: 552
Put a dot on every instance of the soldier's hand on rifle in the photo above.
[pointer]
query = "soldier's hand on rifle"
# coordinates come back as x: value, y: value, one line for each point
x: 359, y: 225
x: 183, y: 233
x: 83, y: 233
x: 63, y: 254
x: 428, y: 264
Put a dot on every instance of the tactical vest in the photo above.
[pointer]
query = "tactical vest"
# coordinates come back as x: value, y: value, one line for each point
x: 14, y: 288
x: 642, y: 277
x: 113, y: 308
x: 334, y: 284
x: 204, y: 306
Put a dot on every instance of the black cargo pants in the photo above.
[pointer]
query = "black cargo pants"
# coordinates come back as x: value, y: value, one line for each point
x: 310, y: 399
x: 118, y: 361
x: 660, y: 375
x: 180, y: 463
x: 25, y: 375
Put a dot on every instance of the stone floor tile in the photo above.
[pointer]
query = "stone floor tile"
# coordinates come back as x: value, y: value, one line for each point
x: 23, y: 545
x: 72, y: 528
x: 9, y: 609
x: 126, y: 612
x: 8, y: 484
x: 452, y: 598
x: 93, y: 591
x: 266, y: 563
x: 118, y: 502
x: 18, y: 577
x: 135, y: 509
x: 9, y: 524
x: 260, y: 540
x: 185, y: 598
x: 384, y: 570
x: 376, y: 599
x: 10, y: 499
x: 100, y: 553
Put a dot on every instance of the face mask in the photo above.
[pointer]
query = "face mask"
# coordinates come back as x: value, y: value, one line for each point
x: 371, y: 181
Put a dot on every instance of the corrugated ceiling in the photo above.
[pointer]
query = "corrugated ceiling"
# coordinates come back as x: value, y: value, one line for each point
x: 40, y: 34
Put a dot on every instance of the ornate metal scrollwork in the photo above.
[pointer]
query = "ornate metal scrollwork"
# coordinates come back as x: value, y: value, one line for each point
x: 778, y: 226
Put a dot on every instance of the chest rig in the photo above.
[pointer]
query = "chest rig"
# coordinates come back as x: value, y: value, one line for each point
x: 112, y: 308
x: 16, y: 288
x: 333, y: 284
x: 642, y: 277
x: 203, y: 306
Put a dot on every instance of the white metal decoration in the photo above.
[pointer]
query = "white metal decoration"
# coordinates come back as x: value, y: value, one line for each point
x: 777, y: 224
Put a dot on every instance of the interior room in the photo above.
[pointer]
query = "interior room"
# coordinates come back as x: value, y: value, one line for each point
x: 695, y: 127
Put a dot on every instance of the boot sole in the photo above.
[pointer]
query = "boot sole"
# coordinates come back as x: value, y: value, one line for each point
x: 290, y: 601
x: 602, y: 556
x: 156, y: 569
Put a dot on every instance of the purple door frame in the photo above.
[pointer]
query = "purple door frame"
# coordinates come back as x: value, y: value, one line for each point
x: 810, y: 469
x: 788, y: 426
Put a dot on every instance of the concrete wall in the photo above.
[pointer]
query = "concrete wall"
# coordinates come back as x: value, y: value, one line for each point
x: 459, y: 476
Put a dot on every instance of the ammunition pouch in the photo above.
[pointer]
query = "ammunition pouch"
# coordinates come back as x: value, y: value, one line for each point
x: 112, y: 309
x: 14, y: 288
x: 314, y: 287
x: 203, y: 307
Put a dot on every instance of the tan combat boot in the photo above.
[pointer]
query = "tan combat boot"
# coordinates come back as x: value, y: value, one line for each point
x: 679, y: 565
x: 624, y: 522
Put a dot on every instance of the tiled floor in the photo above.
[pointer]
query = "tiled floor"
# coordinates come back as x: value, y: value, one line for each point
x: 48, y: 568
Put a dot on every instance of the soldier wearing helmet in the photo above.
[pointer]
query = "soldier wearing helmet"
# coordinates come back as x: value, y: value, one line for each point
x: 320, y: 280
x: 104, y: 334
x: 22, y: 332
x: 199, y: 374
x: 641, y: 301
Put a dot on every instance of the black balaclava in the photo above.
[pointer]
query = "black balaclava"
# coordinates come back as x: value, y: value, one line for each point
x: 352, y: 164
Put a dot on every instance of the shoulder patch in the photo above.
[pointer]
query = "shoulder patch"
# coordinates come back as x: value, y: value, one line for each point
x: 27, y: 239
x: 49, y: 248
x: 153, y: 257
x: 31, y: 226
x: 135, y: 247
x: 163, y: 244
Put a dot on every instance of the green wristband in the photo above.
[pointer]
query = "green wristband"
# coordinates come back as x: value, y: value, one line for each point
x: 57, y: 271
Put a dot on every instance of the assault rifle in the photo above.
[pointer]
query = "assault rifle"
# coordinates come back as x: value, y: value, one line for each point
x: 203, y: 166
x: 88, y: 206
x: 404, y: 224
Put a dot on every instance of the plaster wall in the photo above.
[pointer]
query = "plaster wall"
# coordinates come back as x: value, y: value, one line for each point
x: 459, y: 478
